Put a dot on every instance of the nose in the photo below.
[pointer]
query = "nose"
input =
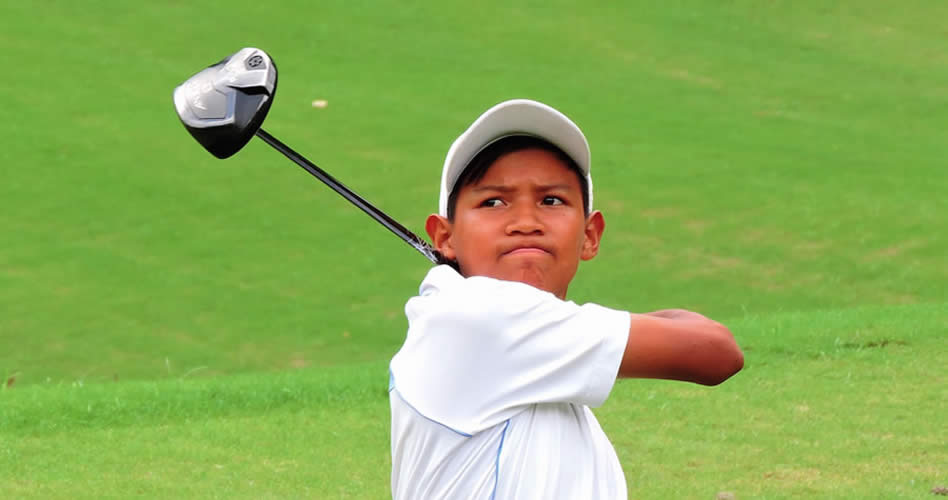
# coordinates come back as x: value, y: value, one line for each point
x: 524, y: 219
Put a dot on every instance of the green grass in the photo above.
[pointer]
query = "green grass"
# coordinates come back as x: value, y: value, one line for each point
x: 173, y: 325
x: 315, y: 434
x: 840, y: 404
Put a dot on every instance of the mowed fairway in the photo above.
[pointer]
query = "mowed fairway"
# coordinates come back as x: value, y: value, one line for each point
x: 172, y: 325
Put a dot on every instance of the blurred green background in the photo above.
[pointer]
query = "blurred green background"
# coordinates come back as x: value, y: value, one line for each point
x: 749, y: 158
x: 780, y: 166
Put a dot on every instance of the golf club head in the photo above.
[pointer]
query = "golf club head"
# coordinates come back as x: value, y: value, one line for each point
x: 224, y: 105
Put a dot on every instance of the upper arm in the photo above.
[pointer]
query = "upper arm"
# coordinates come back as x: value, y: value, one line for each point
x: 692, y: 349
x: 471, y: 363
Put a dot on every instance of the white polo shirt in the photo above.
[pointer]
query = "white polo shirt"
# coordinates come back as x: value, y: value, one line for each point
x: 490, y: 393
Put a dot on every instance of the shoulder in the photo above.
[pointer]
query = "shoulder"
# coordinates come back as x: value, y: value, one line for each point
x: 444, y: 280
x: 479, y: 300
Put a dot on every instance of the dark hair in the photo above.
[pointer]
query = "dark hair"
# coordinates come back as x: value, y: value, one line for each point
x: 478, y: 166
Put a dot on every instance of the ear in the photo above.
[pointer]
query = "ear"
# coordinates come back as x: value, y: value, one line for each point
x: 595, y: 225
x: 439, y: 230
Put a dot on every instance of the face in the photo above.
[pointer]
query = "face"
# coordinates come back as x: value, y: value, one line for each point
x: 523, y: 221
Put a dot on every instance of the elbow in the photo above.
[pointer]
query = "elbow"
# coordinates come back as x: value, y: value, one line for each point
x: 727, y: 358
x: 729, y: 367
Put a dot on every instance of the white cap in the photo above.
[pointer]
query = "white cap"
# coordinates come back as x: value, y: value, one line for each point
x: 513, y: 118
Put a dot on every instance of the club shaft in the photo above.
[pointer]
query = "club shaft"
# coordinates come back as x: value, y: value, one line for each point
x: 409, y: 237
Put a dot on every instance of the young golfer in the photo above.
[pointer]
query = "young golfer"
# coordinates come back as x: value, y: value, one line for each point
x: 491, y: 392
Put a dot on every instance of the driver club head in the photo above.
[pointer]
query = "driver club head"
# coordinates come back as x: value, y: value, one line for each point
x: 224, y: 105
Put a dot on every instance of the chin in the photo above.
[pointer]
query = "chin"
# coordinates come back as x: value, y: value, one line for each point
x: 528, y: 274
x: 531, y: 276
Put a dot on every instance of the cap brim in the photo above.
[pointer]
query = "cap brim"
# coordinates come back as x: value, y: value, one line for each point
x: 509, y: 118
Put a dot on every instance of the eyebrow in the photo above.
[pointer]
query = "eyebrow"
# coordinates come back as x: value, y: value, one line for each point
x: 508, y: 189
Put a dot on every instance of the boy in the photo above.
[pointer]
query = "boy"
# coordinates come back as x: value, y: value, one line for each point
x: 490, y: 393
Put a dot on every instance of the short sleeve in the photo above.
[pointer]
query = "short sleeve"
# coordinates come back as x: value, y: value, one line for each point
x: 479, y: 350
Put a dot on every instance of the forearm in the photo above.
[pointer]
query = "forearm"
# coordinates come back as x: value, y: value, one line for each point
x: 676, y: 314
x: 680, y: 345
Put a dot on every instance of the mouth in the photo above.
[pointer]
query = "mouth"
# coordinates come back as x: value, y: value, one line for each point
x: 527, y: 250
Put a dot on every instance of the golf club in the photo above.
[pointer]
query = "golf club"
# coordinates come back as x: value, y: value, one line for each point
x: 223, y: 107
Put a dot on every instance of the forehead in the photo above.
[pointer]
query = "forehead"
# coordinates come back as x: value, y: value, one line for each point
x: 531, y: 165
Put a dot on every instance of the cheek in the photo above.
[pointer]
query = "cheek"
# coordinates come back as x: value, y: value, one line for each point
x: 470, y: 241
x: 573, y: 231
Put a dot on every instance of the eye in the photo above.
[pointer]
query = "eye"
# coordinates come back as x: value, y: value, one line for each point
x: 491, y: 203
x: 552, y: 200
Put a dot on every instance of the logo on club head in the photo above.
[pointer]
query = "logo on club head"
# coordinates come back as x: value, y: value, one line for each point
x: 255, y: 62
